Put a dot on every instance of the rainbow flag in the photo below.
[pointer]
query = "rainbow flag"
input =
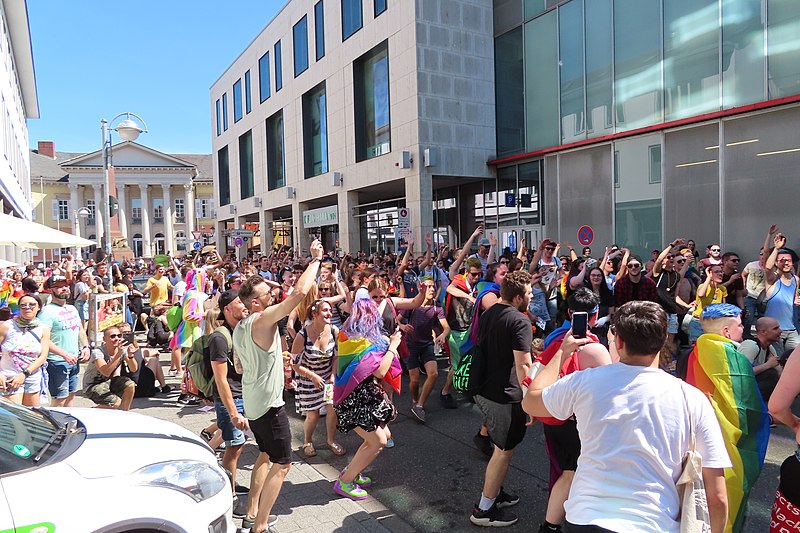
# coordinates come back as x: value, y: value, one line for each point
x: 357, y: 359
x: 726, y: 376
x: 482, y: 289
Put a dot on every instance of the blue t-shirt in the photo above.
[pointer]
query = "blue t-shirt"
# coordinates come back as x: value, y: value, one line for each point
x: 65, y: 325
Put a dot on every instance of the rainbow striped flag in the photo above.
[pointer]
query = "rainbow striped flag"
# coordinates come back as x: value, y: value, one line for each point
x: 726, y: 376
x: 357, y: 359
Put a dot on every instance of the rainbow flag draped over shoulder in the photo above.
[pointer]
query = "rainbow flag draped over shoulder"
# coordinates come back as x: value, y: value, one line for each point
x: 726, y: 376
x: 482, y: 289
x: 357, y: 359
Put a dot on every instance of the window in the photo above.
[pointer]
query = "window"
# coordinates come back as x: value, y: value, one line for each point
x: 379, y: 6
x: 541, y: 81
x: 137, y: 245
x: 351, y: 17
x: 263, y: 77
x: 315, y: 131
x: 136, y: 210
x: 237, y: 101
x: 247, y: 104
x: 91, y: 207
x: 158, y: 210
x: 180, y: 241
x: 224, y: 176
x: 63, y: 209
x: 246, y: 165
x: 655, y: 163
x: 278, y: 67
x: 783, y: 58
x: 571, y: 57
x: 180, y: 210
x: 275, y: 158
x: 510, y: 94
x: 300, y: 46
x: 224, y: 111
x: 371, y: 85
x: 203, y: 208
x: 319, y: 30
x: 219, y: 120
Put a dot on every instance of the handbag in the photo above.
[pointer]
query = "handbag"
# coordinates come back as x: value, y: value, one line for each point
x: 694, y: 516
x: 761, y: 302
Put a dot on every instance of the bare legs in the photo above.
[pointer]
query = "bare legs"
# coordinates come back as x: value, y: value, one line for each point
x: 374, y: 443
x: 432, y: 371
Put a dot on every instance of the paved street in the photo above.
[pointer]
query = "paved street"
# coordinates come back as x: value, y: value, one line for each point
x: 429, y: 481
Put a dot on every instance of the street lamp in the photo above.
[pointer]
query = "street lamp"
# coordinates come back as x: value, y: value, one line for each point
x: 129, y: 130
x: 78, y: 214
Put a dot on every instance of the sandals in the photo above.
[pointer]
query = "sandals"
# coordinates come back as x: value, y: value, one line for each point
x: 308, y: 450
x: 337, y: 448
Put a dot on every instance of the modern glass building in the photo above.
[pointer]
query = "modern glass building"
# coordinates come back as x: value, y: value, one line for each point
x: 649, y: 119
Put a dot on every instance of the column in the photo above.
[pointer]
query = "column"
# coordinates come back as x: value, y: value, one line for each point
x: 146, y: 250
x: 123, y: 211
x: 302, y: 241
x: 168, y: 210
x: 265, y: 230
x: 349, y: 225
x: 189, y: 210
x: 419, y: 201
x: 99, y: 205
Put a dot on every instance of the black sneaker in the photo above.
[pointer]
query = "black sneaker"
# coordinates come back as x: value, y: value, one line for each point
x: 504, y: 499
x: 494, y: 517
x: 247, y: 524
x: 484, y: 444
x: 239, y: 507
x: 448, y: 402
x: 207, y: 435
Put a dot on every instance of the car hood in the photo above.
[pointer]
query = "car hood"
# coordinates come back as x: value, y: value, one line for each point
x: 120, y: 442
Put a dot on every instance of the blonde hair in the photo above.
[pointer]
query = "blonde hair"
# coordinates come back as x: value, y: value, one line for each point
x: 304, y: 306
x: 212, y: 320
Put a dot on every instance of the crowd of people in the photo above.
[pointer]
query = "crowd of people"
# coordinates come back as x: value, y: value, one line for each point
x: 591, y: 346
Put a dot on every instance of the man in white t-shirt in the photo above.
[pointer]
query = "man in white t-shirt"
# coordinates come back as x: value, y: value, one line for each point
x: 635, y: 423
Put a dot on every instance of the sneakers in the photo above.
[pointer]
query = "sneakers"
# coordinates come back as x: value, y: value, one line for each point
x: 484, y: 444
x: 166, y: 389
x: 239, y: 507
x: 349, y: 490
x: 494, y: 517
x: 362, y: 480
x: 448, y: 402
x: 390, y: 442
x: 418, y: 412
x: 247, y: 524
x: 504, y: 499
x: 207, y: 435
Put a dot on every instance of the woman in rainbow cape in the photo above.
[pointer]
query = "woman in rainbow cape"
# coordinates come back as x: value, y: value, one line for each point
x: 191, y: 327
x: 488, y: 291
x: 726, y: 377
x: 359, y: 401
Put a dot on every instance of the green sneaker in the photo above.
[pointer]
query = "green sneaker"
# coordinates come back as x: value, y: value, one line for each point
x: 362, y: 481
x: 349, y: 490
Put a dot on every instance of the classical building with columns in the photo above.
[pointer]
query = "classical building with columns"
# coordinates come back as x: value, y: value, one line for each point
x: 164, y: 199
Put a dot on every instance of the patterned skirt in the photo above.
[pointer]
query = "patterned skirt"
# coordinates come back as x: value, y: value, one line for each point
x: 366, y: 407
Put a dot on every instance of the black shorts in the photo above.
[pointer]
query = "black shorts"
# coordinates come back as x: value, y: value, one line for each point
x: 273, y: 435
x: 419, y: 355
x: 505, y: 422
x: 564, y: 444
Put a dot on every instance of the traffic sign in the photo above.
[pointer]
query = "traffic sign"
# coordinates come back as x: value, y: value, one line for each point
x: 197, y: 234
x: 240, y: 233
x: 238, y: 242
x: 585, y: 235
x: 403, y: 218
x: 197, y: 245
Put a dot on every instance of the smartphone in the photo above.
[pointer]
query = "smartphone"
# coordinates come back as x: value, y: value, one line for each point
x: 580, y: 321
x: 127, y: 337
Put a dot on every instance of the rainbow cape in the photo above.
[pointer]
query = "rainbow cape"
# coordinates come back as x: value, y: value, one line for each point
x: 482, y: 289
x: 726, y: 376
x: 10, y: 297
x: 191, y: 327
x: 357, y: 359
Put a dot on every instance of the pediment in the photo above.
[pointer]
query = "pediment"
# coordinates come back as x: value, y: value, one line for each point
x: 127, y: 154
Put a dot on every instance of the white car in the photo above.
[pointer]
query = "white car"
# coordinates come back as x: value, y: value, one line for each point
x: 98, y: 470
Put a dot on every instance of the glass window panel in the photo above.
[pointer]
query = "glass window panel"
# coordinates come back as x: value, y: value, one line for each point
x: 585, y: 196
x: 570, y: 32
x: 224, y: 111
x: 278, y: 67
x: 691, y: 184
x: 315, y: 131
x: 531, y: 208
x: 373, y: 126
x: 742, y: 53
x: 637, y: 199
x: 637, y: 63
x: 598, y: 68
x: 691, y: 57
x: 760, y: 178
x: 783, y: 47
x: 219, y: 118
x: 533, y: 8
x: 507, y: 196
x: 263, y: 77
x: 655, y: 163
x: 380, y: 6
x: 237, y: 101
x: 246, y: 165
x: 247, y: 101
x: 275, y: 153
x: 300, y: 46
x: 510, y: 93
x: 541, y: 80
x: 319, y: 29
x: 550, y: 188
x: 224, y: 176
x: 351, y: 17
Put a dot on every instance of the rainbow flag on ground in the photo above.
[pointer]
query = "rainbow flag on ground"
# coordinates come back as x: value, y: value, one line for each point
x: 726, y: 376
x: 357, y: 359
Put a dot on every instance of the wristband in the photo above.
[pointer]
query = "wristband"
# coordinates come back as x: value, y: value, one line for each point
x: 526, y: 382
x: 27, y: 372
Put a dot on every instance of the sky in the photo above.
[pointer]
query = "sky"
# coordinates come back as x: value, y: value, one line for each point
x: 95, y: 59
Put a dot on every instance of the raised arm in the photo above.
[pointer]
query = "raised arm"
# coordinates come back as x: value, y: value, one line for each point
x: 537, y: 256
x: 428, y: 250
x: 492, y: 257
x: 464, y: 252
x: 769, y: 268
x: 406, y: 256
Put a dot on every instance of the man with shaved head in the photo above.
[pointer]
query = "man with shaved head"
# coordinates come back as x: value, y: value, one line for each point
x: 762, y: 354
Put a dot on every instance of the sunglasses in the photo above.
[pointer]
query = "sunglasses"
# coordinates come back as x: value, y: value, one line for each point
x: 324, y: 289
x: 735, y: 260
x: 715, y: 249
x: 634, y: 265
x: 503, y: 262
x: 550, y: 248
x: 474, y: 273
x: 115, y: 336
x: 28, y: 306
x: 680, y: 260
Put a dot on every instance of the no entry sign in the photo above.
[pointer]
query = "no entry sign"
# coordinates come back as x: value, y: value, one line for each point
x: 585, y: 235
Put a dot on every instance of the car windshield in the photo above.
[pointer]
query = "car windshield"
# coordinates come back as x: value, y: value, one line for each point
x: 24, y: 433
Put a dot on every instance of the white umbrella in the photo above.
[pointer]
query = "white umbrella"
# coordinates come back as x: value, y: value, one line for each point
x: 19, y: 232
x: 5, y: 264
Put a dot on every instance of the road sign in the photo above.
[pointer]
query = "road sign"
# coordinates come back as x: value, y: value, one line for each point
x: 197, y: 245
x: 585, y: 235
x: 403, y: 218
x: 241, y: 233
x: 238, y: 242
x: 197, y: 234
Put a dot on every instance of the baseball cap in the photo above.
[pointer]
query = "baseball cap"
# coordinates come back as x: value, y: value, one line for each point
x: 55, y: 279
x: 226, y: 298
x: 207, y: 249
x: 484, y: 242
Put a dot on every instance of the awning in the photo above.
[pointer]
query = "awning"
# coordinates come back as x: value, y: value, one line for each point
x: 18, y: 232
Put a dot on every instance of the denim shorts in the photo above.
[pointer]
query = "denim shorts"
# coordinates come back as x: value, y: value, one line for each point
x: 63, y: 378
x: 232, y: 435
x: 31, y: 385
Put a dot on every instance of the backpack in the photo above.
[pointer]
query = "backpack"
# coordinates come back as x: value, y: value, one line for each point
x: 470, y: 375
x: 174, y: 317
x: 198, y: 364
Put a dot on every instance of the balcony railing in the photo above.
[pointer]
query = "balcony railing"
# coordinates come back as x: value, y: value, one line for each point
x: 158, y: 220
x: 136, y: 220
x: 180, y: 220
x: 90, y: 222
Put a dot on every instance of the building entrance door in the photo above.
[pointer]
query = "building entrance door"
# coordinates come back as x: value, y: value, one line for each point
x: 512, y: 238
